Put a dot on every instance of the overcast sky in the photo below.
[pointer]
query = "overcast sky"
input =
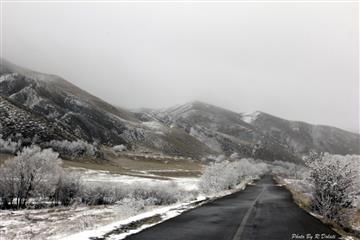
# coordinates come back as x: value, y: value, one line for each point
x: 295, y: 60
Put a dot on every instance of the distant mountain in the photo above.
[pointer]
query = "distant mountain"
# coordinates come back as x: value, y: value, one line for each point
x: 221, y: 130
x: 86, y: 116
x: 257, y: 135
x: 48, y: 107
x: 301, y: 137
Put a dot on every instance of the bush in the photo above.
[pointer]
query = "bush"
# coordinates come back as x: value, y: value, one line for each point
x: 73, y: 149
x: 290, y: 170
x: 119, y: 148
x: 158, y: 194
x: 68, y: 188
x: 99, y: 194
x: 334, y: 178
x: 164, y: 194
x: 227, y: 175
x: 8, y: 146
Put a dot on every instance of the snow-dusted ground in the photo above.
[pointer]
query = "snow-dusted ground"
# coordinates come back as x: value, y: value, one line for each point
x: 250, y: 117
x: 140, y: 177
x: 164, y: 213
x: 55, y: 223
x: 83, y: 222
x: 58, y: 223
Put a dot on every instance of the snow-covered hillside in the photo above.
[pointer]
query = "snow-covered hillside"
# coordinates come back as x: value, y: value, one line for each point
x: 194, y: 130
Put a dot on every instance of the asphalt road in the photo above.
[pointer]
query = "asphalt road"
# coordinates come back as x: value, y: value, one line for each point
x: 263, y: 211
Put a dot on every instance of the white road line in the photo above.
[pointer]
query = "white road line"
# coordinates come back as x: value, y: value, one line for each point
x: 245, y: 219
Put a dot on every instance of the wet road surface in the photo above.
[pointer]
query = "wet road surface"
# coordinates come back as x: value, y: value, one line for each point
x: 264, y: 211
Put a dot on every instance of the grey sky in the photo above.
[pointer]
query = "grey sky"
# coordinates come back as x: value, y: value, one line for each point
x: 295, y: 60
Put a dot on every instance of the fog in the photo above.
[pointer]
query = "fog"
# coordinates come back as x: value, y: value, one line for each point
x: 294, y: 60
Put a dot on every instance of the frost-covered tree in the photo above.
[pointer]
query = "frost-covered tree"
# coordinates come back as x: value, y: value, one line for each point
x: 33, y: 172
x: 334, y: 178
x: 74, y: 148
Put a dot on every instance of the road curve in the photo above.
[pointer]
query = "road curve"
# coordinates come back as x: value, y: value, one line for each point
x: 263, y: 211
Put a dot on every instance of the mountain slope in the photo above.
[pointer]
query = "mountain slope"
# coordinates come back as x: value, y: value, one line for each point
x: 57, y: 99
x: 16, y: 119
x: 257, y: 135
x: 57, y: 109
x: 301, y: 137
x: 88, y: 117
x: 221, y: 130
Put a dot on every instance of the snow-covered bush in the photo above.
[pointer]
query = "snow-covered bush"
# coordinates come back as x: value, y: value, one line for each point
x: 8, y: 146
x: 33, y: 173
x: 99, y: 194
x: 334, y: 178
x: 68, y: 188
x: 234, y: 156
x: 227, y: 175
x: 119, y: 148
x: 148, y: 194
x: 289, y: 170
x: 73, y: 149
x: 158, y: 194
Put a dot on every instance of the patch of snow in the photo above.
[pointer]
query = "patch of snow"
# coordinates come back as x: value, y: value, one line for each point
x: 211, y: 142
x: 6, y: 77
x: 142, y: 177
x: 165, y: 213
x: 250, y: 117
x: 153, y: 125
x: 32, y: 98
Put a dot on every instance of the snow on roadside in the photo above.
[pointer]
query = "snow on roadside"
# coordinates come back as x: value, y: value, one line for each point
x: 165, y: 213
x: 50, y: 223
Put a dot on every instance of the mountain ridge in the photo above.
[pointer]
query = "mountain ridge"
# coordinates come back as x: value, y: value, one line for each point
x: 194, y: 129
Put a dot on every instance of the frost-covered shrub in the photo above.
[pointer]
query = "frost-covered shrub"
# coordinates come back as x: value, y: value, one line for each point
x: 234, y: 156
x: 68, y: 188
x: 164, y: 194
x: 227, y: 175
x: 334, y: 178
x: 290, y: 170
x: 33, y: 173
x: 119, y: 148
x: 73, y: 149
x: 8, y: 146
x: 99, y: 194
